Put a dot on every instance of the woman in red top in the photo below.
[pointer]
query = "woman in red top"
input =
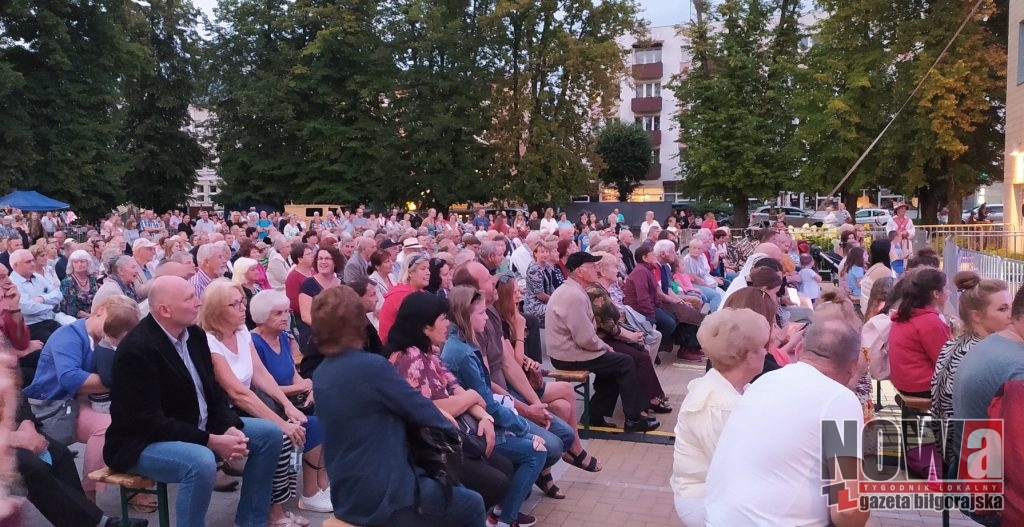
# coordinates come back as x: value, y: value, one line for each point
x: 918, y: 332
x: 302, y: 257
x: 413, y: 277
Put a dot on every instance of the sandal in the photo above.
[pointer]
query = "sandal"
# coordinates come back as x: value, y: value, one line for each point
x: 143, y: 503
x: 576, y: 460
x: 546, y: 483
x: 290, y: 520
x: 661, y: 408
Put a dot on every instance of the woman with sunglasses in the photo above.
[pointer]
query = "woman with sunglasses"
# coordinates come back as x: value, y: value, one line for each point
x: 413, y: 277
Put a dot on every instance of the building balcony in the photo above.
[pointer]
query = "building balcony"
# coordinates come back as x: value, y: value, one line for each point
x: 653, y: 173
x: 655, y: 136
x: 648, y: 71
x: 646, y: 105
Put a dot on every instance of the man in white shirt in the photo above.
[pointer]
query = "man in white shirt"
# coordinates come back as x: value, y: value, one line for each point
x: 38, y: 296
x: 523, y: 255
x: 767, y: 466
x: 648, y: 222
x: 205, y: 224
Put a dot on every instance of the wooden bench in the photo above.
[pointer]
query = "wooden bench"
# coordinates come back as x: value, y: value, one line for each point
x: 581, y: 384
x: 132, y: 485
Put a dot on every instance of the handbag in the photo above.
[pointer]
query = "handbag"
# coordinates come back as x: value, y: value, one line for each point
x: 535, y: 376
x: 301, y: 403
x: 57, y: 418
x: 438, y: 454
x: 271, y: 403
x: 473, y: 446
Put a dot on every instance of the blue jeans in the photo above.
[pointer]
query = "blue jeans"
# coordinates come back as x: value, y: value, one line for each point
x: 528, y: 463
x: 194, y: 468
x: 558, y: 438
x: 713, y: 294
x: 665, y: 323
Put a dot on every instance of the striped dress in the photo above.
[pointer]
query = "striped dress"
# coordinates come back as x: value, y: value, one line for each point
x: 942, y: 380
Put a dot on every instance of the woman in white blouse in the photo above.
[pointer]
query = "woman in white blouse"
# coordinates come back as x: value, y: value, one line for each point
x: 736, y: 341
x: 240, y: 372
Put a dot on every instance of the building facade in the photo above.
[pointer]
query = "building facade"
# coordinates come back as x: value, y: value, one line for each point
x: 645, y: 98
x: 1013, y: 176
x: 207, y: 183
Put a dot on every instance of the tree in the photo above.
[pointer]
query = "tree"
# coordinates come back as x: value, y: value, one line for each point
x: 952, y: 136
x: 737, y: 119
x: 62, y: 72
x: 557, y: 73
x: 162, y: 154
x: 625, y: 150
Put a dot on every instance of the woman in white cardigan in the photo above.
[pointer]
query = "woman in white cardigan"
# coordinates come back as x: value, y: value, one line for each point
x: 736, y: 341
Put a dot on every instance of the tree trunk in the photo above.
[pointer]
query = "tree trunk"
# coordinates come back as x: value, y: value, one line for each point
x: 850, y: 200
x: 928, y: 206
x: 740, y: 212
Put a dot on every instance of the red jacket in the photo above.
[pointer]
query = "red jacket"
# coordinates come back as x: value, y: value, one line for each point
x: 389, y: 309
x: 914, y: 348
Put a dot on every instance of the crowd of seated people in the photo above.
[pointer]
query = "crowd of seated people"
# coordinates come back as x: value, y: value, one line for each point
x: 168, y: 347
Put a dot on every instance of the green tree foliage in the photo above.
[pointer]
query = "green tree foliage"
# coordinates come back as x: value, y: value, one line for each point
x: 737, y: 119
x: 952, y: 134
x: 163, y: 154
x: 625, y: 150
x: 866, y: 59
x: 395, y: 100
x: 61, y: 69
x: 558, y: 72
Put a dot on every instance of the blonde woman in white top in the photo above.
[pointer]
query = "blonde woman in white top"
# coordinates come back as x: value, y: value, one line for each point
x: 239, y: 371
x: 736, y: 341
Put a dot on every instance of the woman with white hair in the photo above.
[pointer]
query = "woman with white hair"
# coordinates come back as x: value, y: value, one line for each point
x: 246, y: 273
x: 736, y: 340
x: 277, y: 266
x: 276, y: 349
x: 79, y: 286
x: 122, y: 271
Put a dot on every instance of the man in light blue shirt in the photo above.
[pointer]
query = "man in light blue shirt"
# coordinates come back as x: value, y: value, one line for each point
x: 38, y: 296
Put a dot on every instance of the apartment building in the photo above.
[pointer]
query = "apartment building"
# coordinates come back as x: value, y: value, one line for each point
x: 645, y: 98
x: 1013, y: 176
x: 207, y: 183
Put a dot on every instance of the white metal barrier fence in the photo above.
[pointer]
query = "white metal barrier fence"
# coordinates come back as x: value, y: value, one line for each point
x: 957, y: 258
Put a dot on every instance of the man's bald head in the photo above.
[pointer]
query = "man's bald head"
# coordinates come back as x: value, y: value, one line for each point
x: 770, y: 250
x: 172, y: 268
x: 165, y: 289
x: 474, y: 274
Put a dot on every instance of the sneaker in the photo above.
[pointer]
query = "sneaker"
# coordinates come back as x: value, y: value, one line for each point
x: 524, y: 520
x: 319, y: 502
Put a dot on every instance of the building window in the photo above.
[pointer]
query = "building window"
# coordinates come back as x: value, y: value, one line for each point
x: 648, y: 56
x: 656, y: 156
x: 649, y: 89
x: 1020, y: 53
x: 640, y: 195
x: 213, y: 189
x: 649, y: 122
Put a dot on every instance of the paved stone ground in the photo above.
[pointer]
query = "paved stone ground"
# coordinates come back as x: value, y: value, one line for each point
x: 632, y: 490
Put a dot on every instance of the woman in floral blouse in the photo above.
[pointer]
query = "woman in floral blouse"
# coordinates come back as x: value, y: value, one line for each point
x: 420, y: 328
x: 79, y: 286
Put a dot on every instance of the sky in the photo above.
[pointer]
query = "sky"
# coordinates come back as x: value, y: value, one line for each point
x: 657, y: 12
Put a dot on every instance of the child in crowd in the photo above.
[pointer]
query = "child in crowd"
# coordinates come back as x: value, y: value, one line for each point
x: 854, y: 271
x: 898, y: 253
x: 810, y: 280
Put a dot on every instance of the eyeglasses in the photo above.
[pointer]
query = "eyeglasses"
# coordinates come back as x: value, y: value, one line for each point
x: 237, y: 304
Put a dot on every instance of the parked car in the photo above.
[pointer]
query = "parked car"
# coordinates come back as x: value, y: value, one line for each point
x: 794, y: 216
x: 872, y: 217
x: 994, y: 213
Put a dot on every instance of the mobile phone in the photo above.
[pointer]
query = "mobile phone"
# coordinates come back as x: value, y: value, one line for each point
x: 793, y: 296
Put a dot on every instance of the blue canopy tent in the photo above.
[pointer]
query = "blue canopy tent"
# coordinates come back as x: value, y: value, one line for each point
x: 31, y: 201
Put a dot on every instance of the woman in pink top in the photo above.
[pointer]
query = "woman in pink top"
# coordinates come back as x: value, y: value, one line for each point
x: 918, y: 331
